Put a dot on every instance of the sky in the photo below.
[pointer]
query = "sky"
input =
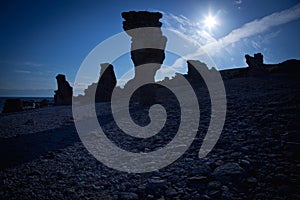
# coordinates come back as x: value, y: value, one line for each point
x: 40, y: 39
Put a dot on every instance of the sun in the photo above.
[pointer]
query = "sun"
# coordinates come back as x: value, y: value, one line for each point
x: 210, y: 21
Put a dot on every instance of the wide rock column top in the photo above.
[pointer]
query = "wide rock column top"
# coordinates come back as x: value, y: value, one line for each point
x: 141, y: 19
x: 147, y: 45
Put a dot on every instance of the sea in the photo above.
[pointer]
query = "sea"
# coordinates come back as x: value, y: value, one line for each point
x: 35, y: 99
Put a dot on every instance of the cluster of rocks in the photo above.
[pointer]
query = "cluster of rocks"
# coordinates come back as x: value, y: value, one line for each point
x: 140, y: 55
x: 257, y: 67
x: 256, y: 157
x: 12, y: 105
x: 148, y: 59
x: 17, y: 105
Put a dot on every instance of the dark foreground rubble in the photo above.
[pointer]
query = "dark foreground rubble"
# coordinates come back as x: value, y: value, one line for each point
x: 257, y: 156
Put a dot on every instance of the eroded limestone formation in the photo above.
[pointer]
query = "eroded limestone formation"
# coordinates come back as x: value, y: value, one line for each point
x: 196, y: 71
x: 102, y: 90
x: 143, y: 39
x: 256, y: 64
x: 193, y: 74
x: 63, y: 94
x: 147, y: 46
x: 106, y: 83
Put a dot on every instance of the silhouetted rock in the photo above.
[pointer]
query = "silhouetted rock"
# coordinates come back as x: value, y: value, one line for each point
x: 256, y: 156
x: 140, y: 55
x: 12, y: 105
x: 288, y: 66
x: 139, y: 19
x: 106, y: 83
x: 234, y: 73
x: 229, y: 172
x: 193, y: 74
x: 256, y: 65
x: 102, y: 90
x: 257, y: 60
x: 63, y: 95
x: 43, y: 103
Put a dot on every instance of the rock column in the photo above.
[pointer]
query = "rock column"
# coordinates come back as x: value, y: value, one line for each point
x: 106, y: 84
x: 256, y: 65
x: 147, y: 45
x: 63, y: 95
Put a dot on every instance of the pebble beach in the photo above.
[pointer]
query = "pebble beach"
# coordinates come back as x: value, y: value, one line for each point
x: 256, y: 157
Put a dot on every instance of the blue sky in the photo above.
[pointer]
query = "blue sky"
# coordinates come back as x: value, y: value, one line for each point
x: 40, y: 39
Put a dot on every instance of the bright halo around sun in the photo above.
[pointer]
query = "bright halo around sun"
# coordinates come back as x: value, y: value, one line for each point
x: 210, y: 21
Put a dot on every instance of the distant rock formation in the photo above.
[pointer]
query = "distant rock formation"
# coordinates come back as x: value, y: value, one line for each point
x: 197, y: 69
x: 193, y: 74
x: 17, y: 105
x: 105, y: 86
x: 288, y: 66
x: 140, y: 39
x: 257, y: 60
x: 234, y: 73
x: 256, y: 65
x: 63, y: 95
x: 12, y: 105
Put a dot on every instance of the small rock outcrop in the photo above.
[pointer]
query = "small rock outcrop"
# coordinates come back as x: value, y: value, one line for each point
x: 256, y: 65
x: 12, y: 105
x: 63, y: 95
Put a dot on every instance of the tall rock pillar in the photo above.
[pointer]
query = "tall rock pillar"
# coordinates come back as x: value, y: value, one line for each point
x: 147, y: 45
x: 63, y: 94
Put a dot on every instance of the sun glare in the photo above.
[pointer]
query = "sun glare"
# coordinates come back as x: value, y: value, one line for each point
x: 210, y: 21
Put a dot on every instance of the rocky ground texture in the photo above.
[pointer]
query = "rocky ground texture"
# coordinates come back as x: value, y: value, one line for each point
x: 256, y: 157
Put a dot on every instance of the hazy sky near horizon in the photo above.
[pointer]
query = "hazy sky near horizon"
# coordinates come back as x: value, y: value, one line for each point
x: 40, y: 39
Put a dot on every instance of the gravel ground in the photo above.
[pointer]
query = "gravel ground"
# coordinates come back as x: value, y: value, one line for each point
x: 34, y: 121
x: 256, y: 157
